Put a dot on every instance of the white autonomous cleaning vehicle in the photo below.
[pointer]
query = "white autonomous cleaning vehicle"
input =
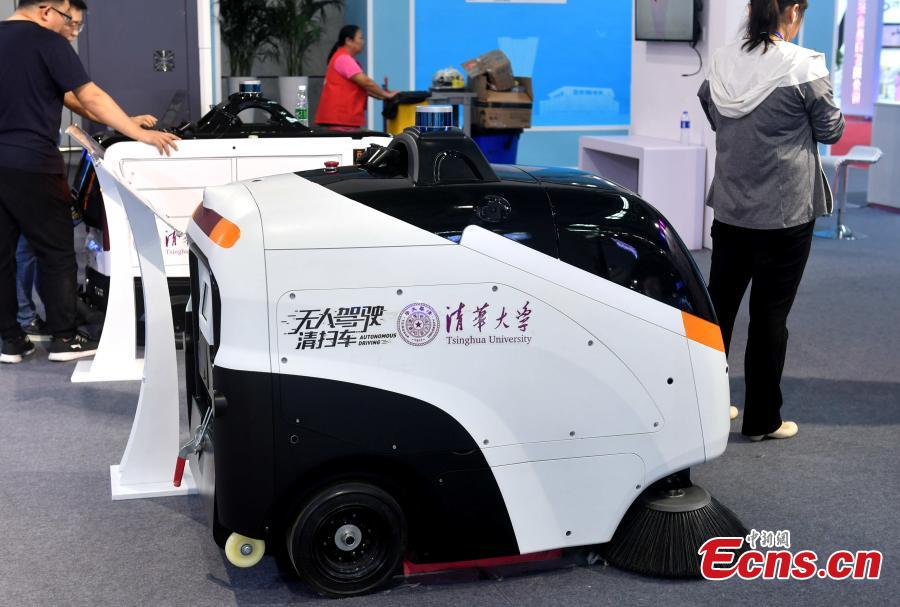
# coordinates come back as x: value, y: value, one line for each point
x: 244, y: 137
x: 427, y: 357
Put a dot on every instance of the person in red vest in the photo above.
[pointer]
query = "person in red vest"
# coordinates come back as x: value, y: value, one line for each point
x: 347, y: 87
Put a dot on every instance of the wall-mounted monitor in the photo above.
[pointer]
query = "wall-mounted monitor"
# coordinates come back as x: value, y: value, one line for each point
x: 666, y: 20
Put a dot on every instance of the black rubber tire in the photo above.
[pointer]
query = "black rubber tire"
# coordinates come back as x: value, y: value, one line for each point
x: 336, y: 572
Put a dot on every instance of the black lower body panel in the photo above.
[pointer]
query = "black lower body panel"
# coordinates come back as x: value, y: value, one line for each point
x: 282, y: 438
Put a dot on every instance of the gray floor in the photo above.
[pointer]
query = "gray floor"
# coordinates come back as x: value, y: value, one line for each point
x: 836, y: 486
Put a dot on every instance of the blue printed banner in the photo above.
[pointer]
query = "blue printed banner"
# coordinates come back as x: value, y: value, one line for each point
x: 578, y: 53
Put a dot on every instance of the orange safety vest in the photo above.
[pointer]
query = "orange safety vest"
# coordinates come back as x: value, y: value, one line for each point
x: 343, y: 102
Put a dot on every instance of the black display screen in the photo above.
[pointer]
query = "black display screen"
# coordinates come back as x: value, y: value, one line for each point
x: 664, y: 20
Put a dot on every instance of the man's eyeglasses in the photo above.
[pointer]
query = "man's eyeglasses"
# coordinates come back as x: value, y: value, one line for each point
x: 77, y: 26
x: 67, y: 17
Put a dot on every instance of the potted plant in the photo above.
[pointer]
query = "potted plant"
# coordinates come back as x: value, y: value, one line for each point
x: 246, y: 30
x: 296, y: 26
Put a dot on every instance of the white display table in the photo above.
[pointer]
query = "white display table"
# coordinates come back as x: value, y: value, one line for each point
x: 667, y: 174
x: 148, y: 464
x: 884, y: 177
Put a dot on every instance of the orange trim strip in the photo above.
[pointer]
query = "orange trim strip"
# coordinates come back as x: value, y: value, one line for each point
x: 703, y: 332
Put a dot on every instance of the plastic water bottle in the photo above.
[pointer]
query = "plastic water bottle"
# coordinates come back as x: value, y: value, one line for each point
x: 685, y: 128
x: 302, y: 108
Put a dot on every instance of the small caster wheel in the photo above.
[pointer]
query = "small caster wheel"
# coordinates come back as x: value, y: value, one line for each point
x: 243, y: 551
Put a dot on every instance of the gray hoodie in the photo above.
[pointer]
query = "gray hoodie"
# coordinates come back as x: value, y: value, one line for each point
x: 769, y: 110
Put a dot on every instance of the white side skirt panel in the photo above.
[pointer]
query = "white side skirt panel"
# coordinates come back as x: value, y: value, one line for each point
x: 569, y: 502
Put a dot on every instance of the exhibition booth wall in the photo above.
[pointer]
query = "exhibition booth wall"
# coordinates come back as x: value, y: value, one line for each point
x: 569, y: 48
x: 597, y: 51
x: 590, y: 77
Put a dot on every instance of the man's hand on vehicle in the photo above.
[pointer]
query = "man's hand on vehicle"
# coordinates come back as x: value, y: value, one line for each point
x: 164, y: 142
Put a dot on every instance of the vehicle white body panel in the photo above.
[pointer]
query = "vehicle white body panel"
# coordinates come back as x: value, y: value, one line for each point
x: 607, y: 396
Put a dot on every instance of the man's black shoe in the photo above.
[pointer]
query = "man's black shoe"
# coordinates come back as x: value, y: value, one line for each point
x: 64, y: 350
x: 15, y: 349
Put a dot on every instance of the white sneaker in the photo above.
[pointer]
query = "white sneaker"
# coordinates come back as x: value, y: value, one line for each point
x: 734, y: 412
x: 787, y: 430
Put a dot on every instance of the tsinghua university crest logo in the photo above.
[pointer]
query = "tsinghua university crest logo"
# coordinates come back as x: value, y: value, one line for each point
x: 418, y: 324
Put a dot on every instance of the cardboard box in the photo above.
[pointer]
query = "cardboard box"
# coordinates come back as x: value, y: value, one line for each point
x: 501, y: 109
x: 495, y: 66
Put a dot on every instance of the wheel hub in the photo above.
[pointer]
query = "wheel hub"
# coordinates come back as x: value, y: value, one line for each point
x: 348, y: 537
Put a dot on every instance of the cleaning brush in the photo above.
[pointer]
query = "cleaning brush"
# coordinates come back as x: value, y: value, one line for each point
x: 661, y: 533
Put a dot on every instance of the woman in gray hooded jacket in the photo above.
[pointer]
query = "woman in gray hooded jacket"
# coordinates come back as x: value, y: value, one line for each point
x: 770, y: 103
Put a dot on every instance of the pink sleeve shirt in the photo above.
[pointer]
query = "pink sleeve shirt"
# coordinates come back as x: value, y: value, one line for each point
x: 346, y: 66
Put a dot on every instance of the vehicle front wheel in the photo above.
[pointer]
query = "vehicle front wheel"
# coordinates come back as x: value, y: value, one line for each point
x: 347, y: 540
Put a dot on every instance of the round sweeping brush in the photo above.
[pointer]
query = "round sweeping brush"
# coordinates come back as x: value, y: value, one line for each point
x: 661, y: 533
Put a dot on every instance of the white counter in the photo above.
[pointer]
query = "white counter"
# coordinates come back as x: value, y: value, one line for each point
x: 667, y: 174
x: 884, y: 177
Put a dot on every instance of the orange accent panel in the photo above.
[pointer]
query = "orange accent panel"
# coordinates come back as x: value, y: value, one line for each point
x: 703, y: 332
x: 225, y: 234
x: 220, y: 230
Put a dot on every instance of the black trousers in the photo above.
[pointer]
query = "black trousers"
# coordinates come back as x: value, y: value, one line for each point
x: 39, y: 206
x: 774, y: 261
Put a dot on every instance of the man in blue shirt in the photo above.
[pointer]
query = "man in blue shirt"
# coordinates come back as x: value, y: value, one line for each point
x: 34, y: 194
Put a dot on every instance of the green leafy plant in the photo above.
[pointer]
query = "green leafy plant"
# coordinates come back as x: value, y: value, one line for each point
x: 246, y: 29
x: 297, y: 25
